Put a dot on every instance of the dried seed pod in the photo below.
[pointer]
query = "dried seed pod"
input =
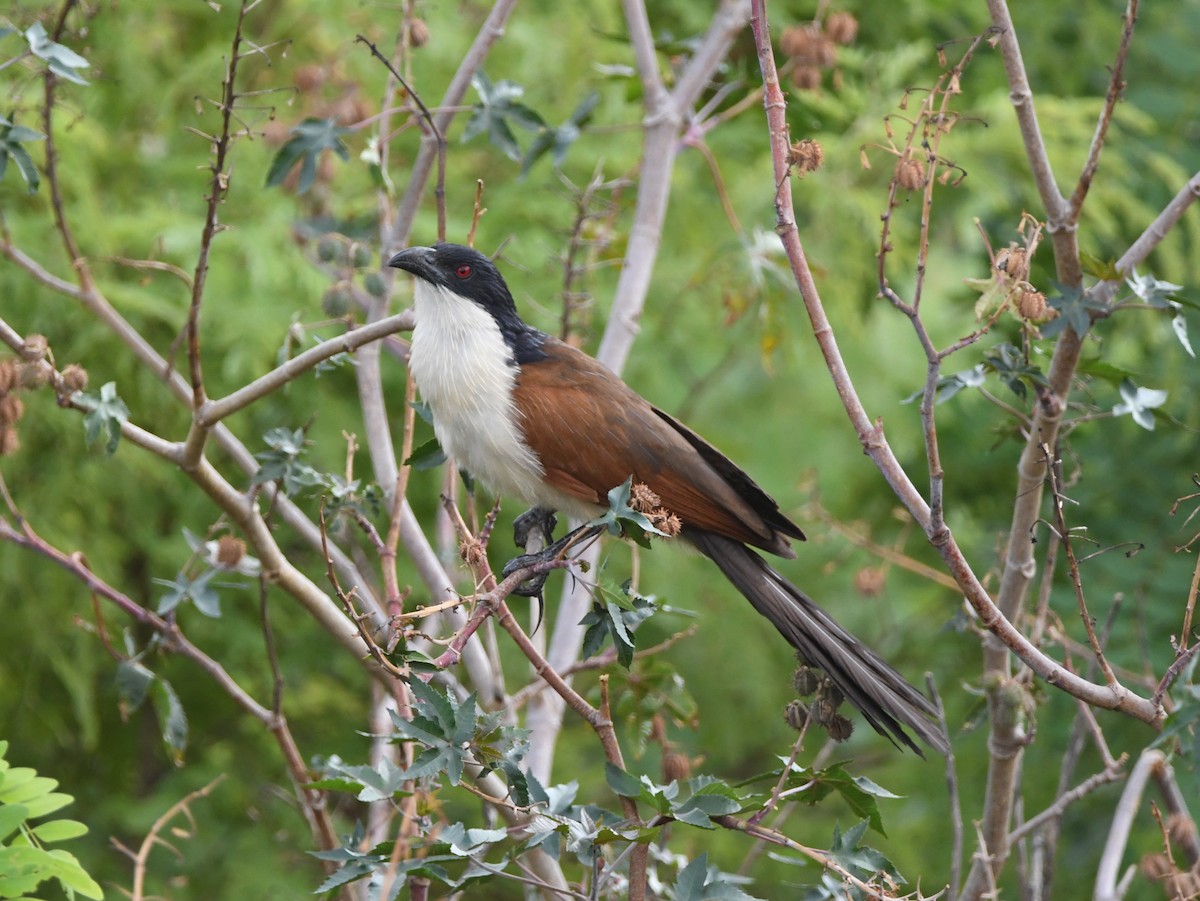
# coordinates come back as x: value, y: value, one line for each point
x: 842, y: 27
x: 805, y: 156
x: 75, y: 377
x: 12, y: 408
x: 1015, y: 261
x: 1032, y: 307
x: 840, y: 728
x: 796, y: 714
x: 9, y: 374
x: 910, y: 174
x: 806, y: 78
x: 418, y: 33
x: 230, y: 550
x: 676, y: 767
x: 805, y: 681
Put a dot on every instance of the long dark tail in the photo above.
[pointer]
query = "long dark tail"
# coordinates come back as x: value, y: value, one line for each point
x: 887, y: 701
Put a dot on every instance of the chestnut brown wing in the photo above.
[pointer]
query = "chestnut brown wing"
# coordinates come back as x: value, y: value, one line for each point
x: 591, y: 432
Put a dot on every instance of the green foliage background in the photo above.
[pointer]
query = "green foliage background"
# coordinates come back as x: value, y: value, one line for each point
x: 732, y: 357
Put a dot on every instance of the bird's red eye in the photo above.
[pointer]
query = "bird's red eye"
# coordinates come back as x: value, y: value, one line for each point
x: 463, y: 271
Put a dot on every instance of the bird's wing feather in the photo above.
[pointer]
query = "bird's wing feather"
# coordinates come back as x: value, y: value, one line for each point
x: 591, y: 432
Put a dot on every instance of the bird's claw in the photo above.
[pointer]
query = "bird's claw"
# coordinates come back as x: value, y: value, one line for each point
x: 532, y: 587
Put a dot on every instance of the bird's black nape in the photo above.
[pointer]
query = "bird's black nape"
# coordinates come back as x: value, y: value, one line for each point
x: 471, y: 275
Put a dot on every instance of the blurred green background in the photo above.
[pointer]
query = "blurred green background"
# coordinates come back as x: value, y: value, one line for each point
x: 732, y: 355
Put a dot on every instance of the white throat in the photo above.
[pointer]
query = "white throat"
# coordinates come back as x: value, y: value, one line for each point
x: 466, y: 374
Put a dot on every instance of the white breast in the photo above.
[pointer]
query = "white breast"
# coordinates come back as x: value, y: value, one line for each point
x: 466, y: 374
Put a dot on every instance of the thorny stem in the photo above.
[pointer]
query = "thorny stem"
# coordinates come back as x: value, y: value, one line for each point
x: 220, y: 185
x: 1054, y: 470
x: 1116, y: 86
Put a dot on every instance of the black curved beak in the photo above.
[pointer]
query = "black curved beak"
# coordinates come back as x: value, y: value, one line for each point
x: 417, y: 260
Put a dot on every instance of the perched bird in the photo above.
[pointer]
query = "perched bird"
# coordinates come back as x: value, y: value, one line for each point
x: 533, y: 418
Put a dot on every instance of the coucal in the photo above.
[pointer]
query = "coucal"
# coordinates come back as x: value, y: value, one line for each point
x: 532, y: 417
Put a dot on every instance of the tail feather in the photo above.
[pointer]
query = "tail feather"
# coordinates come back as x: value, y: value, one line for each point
x: 884, y: 697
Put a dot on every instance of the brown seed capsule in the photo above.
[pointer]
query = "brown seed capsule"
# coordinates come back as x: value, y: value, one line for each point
x: 796, y: 714
x: 910, y: 174
x: 75, y: 377
x: 642, y: 498
x: 1032, y: 307
x: 807, y: 45
x: 806, y: 78
x: 1015, y: 261
x: 805, y: 681
x: 12, y: 408
x: 676, y: 767
x: 839, y: 728
x: 418, y: 33
x: 9, y: 374
x: 842, y: 27
x: 230, y: 550
x: 34, y: 375
x: 823, y: 711
x: 805, y: 156
x: 833, y: 694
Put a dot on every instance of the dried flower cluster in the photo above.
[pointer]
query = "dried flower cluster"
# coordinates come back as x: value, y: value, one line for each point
x: 643, y: 500
x: 812, y: 48
x: 32, y: 369
x: 822, y: 710
x: 805, y: 156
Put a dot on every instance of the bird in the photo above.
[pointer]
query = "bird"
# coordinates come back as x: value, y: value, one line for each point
x: 533, y: 418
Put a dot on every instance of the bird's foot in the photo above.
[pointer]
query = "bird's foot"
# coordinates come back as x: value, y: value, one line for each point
x: 538, y: 517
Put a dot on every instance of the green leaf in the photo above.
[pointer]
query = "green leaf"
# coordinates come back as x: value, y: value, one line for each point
x: 11, y: 818
x: 197, y: 590
x: 622, y: 519
x: 282, y: 463
x: 309, y: 140
x: 698, y: 882
x: 47, y: 803
x: 59, y: 830
x: 864, y: 862
x: 427, y: 456
x: 374, y: 784
x: 1105, y: 270
x: 559, y: 140
x: 172, y: 719
x: 12, y: 141
x: 498, y: 106
x: 621, y: 782
x: 133, y: 683
x: 443, y: 725
x: 106, y: 412
x: 22, y: 785
x: 62, y: 60
x: 464, y: 841
x: 1074, y: 310
x: 615, y: 614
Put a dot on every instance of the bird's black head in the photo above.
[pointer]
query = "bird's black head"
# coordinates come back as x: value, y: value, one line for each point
x: 471, y: 275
